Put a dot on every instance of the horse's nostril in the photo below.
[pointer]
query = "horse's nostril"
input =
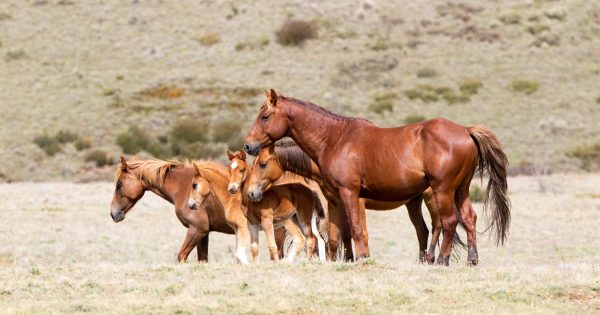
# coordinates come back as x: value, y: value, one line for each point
x: 247, y: 148
x: 112, y: 215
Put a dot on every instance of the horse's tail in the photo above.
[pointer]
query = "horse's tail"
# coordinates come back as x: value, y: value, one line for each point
x: 493, y: 159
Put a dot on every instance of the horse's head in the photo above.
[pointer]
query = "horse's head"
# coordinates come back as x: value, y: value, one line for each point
x: 129, y: 189
x: 238, y: 169
x: 270, y: 125
x: 266, y: 170
x: 200, y: 190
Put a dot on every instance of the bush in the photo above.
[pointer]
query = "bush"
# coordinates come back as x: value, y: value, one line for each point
x: 228, y: 131
x: 428, y: 94
x: 470, y: 86
x: 537, y: 28
x: 589, y: 155
x: 384, y: 102
x: 476, y: 194
x: 598, y: 99
x: 510, y: 17
x: 99, y: 157
x: 411, y: 119
x: 134, y: 140
x: 83, y: 143
x: 426, y: 73
x: 525, y: 86
x: 296, y: 32
x: 65, y: 136
x: 48, y: 144
x: 210, y: 39
x: 189, y: 130
x: 15, y: 55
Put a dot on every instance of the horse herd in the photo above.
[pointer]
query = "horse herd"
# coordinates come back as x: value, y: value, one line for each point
x: 316, y: 186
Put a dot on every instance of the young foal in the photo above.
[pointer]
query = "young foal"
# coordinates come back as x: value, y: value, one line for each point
x: 277, y: 206
x: 286, y: 156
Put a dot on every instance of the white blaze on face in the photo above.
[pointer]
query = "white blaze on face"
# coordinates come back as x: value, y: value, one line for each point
x: 234, y: 165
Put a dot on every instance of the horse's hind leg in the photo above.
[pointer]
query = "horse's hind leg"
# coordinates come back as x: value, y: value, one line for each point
x: 363, y: 223
x: 416, y: 217
x: 253, y: 230
x: 298, y: 238
x: 305, y: 210
x: 202, y: 249
x: 192, y: 238
x: 266, y: 221
x: 445, y: 201
x: 469, y: 218
x: 335, y: 231
x: 280, y: 241
x: 436, y: 224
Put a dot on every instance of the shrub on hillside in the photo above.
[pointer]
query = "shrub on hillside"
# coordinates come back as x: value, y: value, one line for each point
x: 426, y: 73
x: 589, y: 155
x: 296, y: 32
x: 83, y: 143
x: 48, y: 144
x: 210, y: 39
x: 476, y: 194
x: 525, y: 86
x: 99, y: 157
x: 470, y: 86
x: 189, y: 130
x: 133, y: 140
x: 411, y: 119
x: 65, y: 136
x: 228, y: 131
x: 382, y: 103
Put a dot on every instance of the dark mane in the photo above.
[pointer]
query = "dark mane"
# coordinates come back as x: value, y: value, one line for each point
x: 320, y: 110
x: 292, y: 158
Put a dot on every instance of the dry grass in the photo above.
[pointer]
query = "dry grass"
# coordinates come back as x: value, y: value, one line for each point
x: 64, y: 254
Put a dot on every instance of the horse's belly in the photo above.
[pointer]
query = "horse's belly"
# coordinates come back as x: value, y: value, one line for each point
x: 399, y: 192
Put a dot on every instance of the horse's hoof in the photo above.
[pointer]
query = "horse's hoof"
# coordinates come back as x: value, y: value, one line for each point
x: 443, y: 261
x: 473, y: 258
x: 430, y: 259
x: 422, y: 257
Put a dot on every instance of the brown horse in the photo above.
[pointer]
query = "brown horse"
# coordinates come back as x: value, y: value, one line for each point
x: 277, y: 206
x: 171, y: 180
x: 285, y: 156
x: 358, y: 159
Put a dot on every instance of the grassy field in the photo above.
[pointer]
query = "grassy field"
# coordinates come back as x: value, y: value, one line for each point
x: 528, y: 70
x: 60, y: 252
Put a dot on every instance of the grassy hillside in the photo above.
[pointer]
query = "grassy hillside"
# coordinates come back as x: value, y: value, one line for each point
x: 530, y: 72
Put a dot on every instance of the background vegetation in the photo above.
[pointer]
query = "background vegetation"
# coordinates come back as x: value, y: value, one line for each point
x: 161, y: 79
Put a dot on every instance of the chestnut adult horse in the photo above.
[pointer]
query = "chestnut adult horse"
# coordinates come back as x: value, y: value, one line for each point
x: 358, y: 159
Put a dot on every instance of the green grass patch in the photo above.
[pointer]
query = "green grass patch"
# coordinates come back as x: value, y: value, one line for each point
x: 98, y: 157
x: 525, y: 86
x: 470, y: 86
x: 476, y: 194
x: 382, y: 103
x: 589, y: 155
x: 411, y: 119
x: 48, y: 144
x: 209, y: 39
x: 426, y: 73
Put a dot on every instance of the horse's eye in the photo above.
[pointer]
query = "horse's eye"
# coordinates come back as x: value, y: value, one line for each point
x: 119, y: 185
x: 263, y: 164
x: 242, y: 170
x: 264, y: 117
x: 195, y: 186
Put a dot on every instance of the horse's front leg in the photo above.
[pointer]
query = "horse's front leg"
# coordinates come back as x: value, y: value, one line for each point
x: 253, y: 228
x: 202, y: 249
x: 280, y: 241
x: 192, y: 238
x: 266, y: 222
x: 350, y: 202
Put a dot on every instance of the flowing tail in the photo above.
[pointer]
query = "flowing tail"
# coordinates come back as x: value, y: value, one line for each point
x: 493, y: 159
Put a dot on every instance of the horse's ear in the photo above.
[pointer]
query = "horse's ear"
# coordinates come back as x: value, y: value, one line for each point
x: 272, y: 95
x: 242, y: 155
x: 196, y: 169
x: 123, y: 164
x: 230, y: 155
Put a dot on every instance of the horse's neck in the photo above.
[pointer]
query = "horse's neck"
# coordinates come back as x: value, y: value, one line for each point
x: 219, y: 189
x: 312, y: 135
x: 243, y: 185
x: 169, y: 188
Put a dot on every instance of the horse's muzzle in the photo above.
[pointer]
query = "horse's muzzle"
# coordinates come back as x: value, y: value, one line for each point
x: 255, y: 195
x: 252, y: 148
x: 117, y: 216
